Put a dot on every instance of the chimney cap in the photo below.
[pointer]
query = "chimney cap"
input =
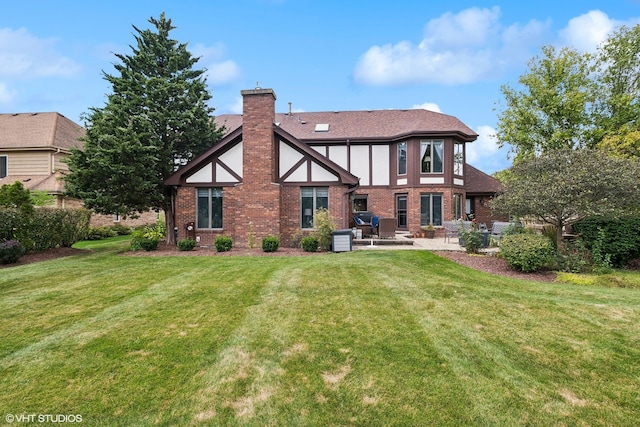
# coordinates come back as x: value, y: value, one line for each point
x: 258, y: 91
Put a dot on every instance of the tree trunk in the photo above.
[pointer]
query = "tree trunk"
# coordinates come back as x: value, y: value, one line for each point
x: 169, y: 218
x: 559, y: 240
x: 170, y: 223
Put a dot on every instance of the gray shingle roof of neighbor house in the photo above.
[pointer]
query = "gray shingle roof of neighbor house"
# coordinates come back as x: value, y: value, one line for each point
x: 362, y: 125
x: 38, y: 130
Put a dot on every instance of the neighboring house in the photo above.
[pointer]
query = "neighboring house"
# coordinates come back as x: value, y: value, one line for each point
x: 271, y: 172
x: 32, y: 149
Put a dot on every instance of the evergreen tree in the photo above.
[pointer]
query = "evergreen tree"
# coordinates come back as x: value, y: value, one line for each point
x: 156, y: 118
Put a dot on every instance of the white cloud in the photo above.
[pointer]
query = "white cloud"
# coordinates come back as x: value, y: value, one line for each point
x: 427, y: 106
x: 586, y: 32
x: 456, y: 49
x: 6, y: 95
x: 485, y: 154
x: 236, y: 108
x: 220, y: 71
x: 24, y: 56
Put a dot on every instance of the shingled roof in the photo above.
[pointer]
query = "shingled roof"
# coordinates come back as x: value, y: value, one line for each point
x: 362, y: 125
x: 478, y: 182
x: 38, y: 130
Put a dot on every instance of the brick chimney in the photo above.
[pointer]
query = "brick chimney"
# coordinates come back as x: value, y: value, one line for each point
x: 259, y: 201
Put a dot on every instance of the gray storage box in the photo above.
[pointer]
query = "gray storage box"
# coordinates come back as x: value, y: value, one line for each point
x: 341, y: 240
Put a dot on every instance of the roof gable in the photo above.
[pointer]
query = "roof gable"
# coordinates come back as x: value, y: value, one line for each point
x: 222, y: 163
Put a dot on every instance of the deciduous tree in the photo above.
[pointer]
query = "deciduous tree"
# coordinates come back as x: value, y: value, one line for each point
x: 562, y: 186
x: 156, y: 118
x: 551, y: 110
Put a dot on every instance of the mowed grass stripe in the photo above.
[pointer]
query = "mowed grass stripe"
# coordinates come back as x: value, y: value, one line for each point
x: 362, y: 338
x: 519, y: 362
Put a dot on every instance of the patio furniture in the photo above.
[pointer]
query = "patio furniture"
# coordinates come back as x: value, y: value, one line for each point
x: 367, y: 222
x: 451, y: 228
x: 387, y: 228
x: 498, y: 228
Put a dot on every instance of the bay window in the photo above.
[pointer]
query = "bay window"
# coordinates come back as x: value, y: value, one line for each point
x: 431, y: 156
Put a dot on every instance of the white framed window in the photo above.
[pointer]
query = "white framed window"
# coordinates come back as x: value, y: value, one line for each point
x: 458, y: 159
x: 431, y: 209
x: 312, y: 199
x: 431, y: 156
x: 209, y: 208
x: 457, y: 206
x: 3, y: 166
x: 402, y: 158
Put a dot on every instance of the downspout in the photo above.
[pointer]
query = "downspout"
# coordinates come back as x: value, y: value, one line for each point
x: 346, y: 206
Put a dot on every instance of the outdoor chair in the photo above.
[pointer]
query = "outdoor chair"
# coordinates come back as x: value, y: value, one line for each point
x: 451, y: 229
x: 387, y: 228
x: 367, y: 222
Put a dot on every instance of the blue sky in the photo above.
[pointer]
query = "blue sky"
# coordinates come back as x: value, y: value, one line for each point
x: 451, y: 57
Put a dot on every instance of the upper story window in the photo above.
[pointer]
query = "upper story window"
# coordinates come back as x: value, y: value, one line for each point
x: 458, y: 159
x: 402, y: 158
x: 431, y: 154
x: 3, y: 166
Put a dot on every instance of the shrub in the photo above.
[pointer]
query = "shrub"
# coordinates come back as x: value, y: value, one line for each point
x: 472, y: 240
x: 121, y: 230
x: 44, y: 228
x: 575, y: 258
x: 223, y: 243
x: 324, y: 228
x: 309, y: 244
x: 146, y: 237
x: 148, y: 243
x: 270, y: 243
x: 99, y: 233
x: 186, y: 244
x: 615, y: 237
x: 11, y: 251
x: 527, y: 252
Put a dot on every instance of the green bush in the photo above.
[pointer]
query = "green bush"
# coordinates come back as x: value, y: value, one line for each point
x: 148, y: 243
x: 270, y: 243
x: 472, y: 240
x: 527, y: 252
x: 11, y: 251
x: 324, y: 229
x: 99, y: 233
x: 615, y: 239
x: 146, y: 237
x: 121, y: 230
x: 186, y: 244
x: 44, y: 228
x: 223, y: 243
x: 309, y: 244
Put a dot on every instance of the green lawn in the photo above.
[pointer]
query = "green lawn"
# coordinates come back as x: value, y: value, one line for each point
x: 370, y: 338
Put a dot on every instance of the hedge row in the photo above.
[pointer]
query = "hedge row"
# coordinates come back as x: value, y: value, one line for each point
x: 45, y: 228
x: 619, y: 238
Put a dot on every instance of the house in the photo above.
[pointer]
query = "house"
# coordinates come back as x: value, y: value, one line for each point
x: 271, y: 172
x: 32, y: 149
